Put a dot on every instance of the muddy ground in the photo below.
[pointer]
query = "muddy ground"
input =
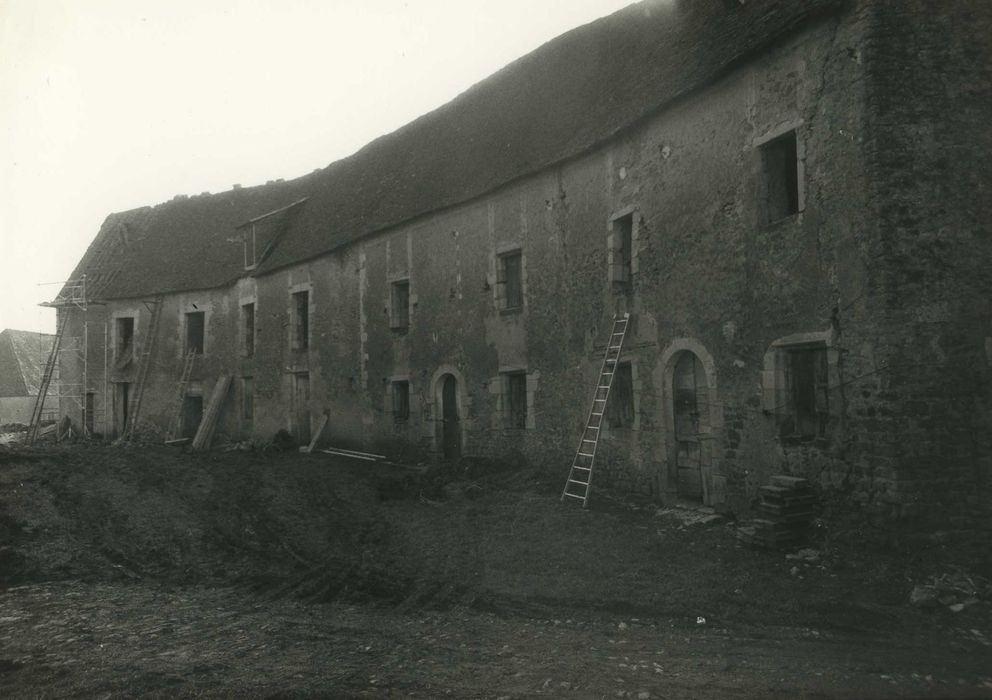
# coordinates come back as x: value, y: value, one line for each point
x: 128, y: 571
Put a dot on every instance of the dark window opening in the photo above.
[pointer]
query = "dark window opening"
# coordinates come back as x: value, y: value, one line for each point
x: 248, y: 398
x: 620, y: 411
x: 399, y: 303
x: 780, y: 165
x: 401, y: 401
x: 192, y: 415
x: 510, y: 280
x: 516, y: 397
x: 125, y: 339
x: 301, y: 320
x: 248, y: 329
x: 623, y: 251
x: 194, y: 332
x: 808, y: 394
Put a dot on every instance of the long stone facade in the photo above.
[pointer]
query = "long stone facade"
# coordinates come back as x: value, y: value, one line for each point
x: 802, y: 245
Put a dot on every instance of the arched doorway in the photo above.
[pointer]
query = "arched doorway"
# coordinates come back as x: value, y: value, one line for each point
x: 692, y: 439
x: 451, y: 430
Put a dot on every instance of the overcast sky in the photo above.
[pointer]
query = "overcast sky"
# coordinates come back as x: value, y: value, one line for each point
x: 107, y: 105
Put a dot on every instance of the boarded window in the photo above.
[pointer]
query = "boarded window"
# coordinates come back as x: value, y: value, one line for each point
x: 399, y: 304
x: 780, y: 168
x: 620, y: 411
x: 808, y: 394
x: 248, y: 398
x: 510, y: 283
x: 401, y: 401
x: 516, y: 399
x: 248, y: 330
x: 301, y: 320
x: 125, y: 338
x: 195, y: 321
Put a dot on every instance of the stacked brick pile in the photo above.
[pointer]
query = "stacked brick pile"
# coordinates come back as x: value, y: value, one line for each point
x: 785, y: 514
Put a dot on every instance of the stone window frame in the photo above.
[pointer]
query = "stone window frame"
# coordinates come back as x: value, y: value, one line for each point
x: 777, y: 389
x: 390, y: 402
x: 295, y: 343
x: 186, y: 311
x: 499, y: 289
x: 758, y: 145
x: 398, y: 322
x: 245, y: 350
x: 134, y: 315
x: 619, y: 273
x: 501, y: 384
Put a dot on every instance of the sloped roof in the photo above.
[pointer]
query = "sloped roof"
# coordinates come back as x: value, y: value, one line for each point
x: 560, y: 100
x: 23, y: 355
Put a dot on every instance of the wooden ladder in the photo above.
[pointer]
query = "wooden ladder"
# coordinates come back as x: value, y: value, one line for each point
x: 580, y: 475
x: 46, y: 380
x: 177, y: 410
x: 144, y: 364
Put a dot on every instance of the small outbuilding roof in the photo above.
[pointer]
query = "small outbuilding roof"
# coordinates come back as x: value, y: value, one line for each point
x: 23, y: 355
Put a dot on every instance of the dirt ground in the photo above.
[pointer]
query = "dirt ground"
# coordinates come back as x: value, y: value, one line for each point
x: 143, y: 571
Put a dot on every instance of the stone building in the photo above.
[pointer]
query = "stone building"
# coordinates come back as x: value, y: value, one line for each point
x: 790, y: 199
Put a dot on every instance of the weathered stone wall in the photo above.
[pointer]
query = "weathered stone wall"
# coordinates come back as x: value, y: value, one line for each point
x: 929, y: 68
x: 884, y: 265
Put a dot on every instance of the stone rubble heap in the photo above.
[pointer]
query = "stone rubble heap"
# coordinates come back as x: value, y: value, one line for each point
x: 786, y: 513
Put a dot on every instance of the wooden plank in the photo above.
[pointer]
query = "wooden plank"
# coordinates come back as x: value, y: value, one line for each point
x: 356, y: 453
x: 209, y: 421
x: 352, y: 455
x: 316, y: 435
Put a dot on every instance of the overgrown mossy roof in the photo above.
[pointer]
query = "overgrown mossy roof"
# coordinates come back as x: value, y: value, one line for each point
x: 555, y: 103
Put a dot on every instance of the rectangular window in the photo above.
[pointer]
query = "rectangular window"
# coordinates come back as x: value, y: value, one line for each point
x: 509, y: 280
x: 248, y: 330
x: 301, y: 321
x: 621, y: 257
x: 401, y: 401
x: 399, y: 305
x: 516, y: 399
x: 780, y: 169
x: 808, y: 394
x: 248, y: 398
x: 194, y: 332
x: 620, y: 411
x: 124, y: 350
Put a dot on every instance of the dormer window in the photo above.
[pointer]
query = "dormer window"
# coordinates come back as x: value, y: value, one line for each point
x: 251, y: 261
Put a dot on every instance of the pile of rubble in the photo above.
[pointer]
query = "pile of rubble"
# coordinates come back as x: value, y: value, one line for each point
x: 955, y: 591
x: 786, y: 513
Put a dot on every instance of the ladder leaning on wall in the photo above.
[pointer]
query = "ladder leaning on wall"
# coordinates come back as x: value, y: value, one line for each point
x: 144, y: 364
x: 46, y: 380
x: 580, y: 475
x: 177, y: 405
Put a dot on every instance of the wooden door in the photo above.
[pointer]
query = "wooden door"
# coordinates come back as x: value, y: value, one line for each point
x: 691, y: 414
x: 451, y: 432
x: 301, y: 408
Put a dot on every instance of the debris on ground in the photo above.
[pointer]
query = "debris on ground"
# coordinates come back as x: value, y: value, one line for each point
x: 688, y: 515
x: 785, y: 514
x: 955, y: 591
